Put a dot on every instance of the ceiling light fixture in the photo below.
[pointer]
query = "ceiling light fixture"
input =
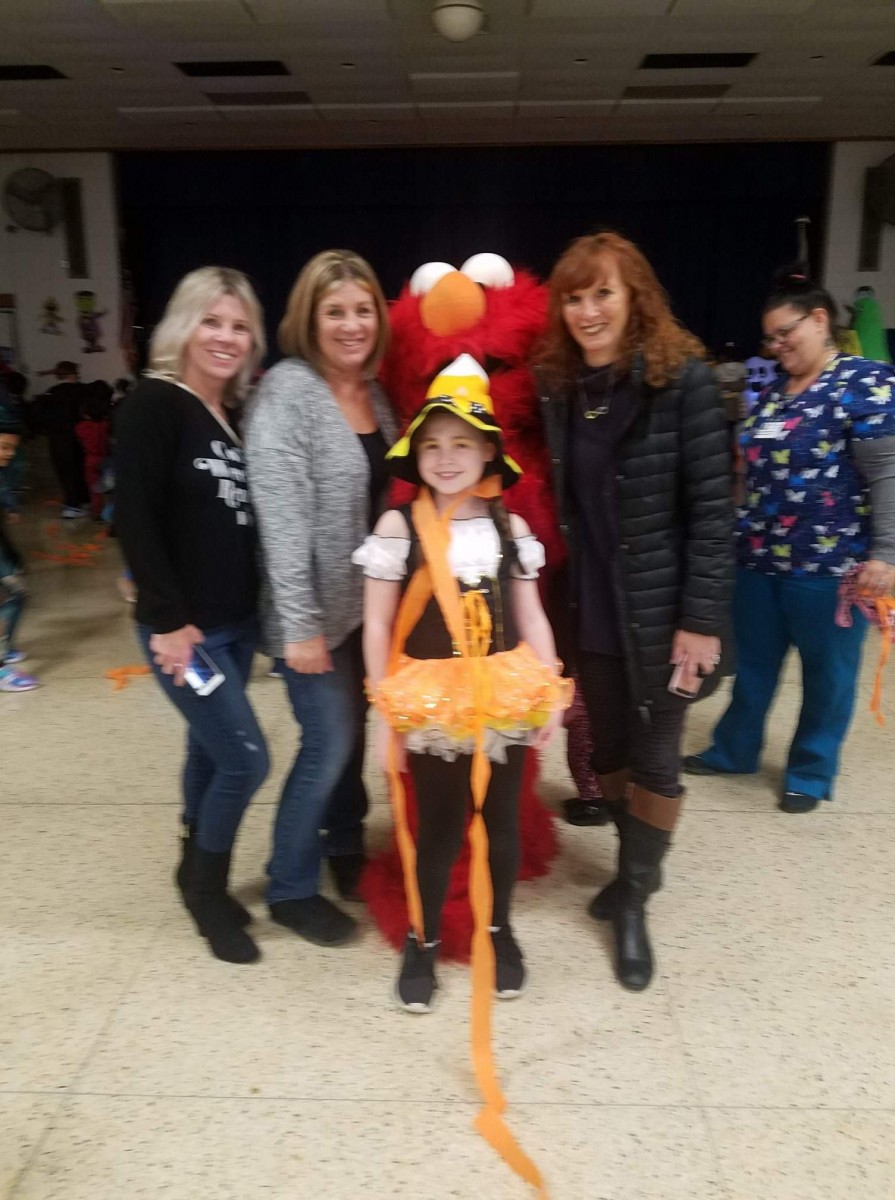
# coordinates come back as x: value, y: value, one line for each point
x: 458, y: 20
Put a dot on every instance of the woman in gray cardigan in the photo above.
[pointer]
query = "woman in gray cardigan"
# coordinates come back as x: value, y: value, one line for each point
x: 317, y: 435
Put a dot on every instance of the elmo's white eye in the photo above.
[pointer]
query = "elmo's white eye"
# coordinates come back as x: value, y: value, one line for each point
x: 490, y: 270
x: 424, y: 278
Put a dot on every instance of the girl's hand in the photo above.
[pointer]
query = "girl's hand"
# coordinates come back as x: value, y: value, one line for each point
x: 308, y: 658
x: 383, y: 747
x: 877, y: 578
x: 173, y: 651
x: 702, y: 653
x: 547, y: 732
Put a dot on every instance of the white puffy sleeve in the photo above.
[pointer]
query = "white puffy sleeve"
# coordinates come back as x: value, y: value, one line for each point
x: 531, y: 557
x: 383, y: 557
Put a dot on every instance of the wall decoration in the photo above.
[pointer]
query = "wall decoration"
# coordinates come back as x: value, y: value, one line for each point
x: 51, y: 317
x: 89, y: 322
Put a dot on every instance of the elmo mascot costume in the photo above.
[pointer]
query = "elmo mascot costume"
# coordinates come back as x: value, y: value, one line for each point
x: 497, y: 315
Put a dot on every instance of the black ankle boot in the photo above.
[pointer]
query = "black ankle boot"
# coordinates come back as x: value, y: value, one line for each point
x: 641, y: 850
x: 184, y: 871
x: 210, y: 907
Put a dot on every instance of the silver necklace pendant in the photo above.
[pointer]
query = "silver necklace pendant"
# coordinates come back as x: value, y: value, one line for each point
x: 591, y: 414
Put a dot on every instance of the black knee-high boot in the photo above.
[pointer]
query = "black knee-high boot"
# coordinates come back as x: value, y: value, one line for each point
x: 184, y: 872
x: 208, y: 903
x: 643, y: 843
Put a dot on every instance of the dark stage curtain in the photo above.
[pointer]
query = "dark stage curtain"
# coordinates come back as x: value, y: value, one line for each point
x: 714, y: 220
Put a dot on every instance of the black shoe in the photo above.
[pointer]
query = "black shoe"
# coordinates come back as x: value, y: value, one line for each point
x: 695, y: 764
x: 184, y: 871
x: 510, y: 976
x: 346, y: 871
x: 417, y: 984
x: 207, y: 901
x: 797, y: 802
x: 316, y: 919
x: 578, y: 811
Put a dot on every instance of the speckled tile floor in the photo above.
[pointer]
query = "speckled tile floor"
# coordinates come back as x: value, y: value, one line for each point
x: 760, y: 1065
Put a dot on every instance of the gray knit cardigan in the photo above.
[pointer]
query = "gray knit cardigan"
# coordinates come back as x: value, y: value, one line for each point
x: 309, y: 479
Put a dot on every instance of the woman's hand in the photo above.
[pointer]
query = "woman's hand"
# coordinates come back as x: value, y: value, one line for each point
x: 702, y: 654
x: 547, y: 732
x: 877, y: 578
x: 308, y: 658
x: 383, y: 744
x: 173, y: 651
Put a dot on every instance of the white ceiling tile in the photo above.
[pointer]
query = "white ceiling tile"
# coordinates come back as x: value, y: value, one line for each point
x: 749, y: 8
x: 318, y: 11
x: 597, y: 9
x: 496, y: 110
x: 367, y: 112
x: 208, y: 13
x: 566, y: 108
x: 465, y: 83
x: 176, y: 114
x: 282, y: 113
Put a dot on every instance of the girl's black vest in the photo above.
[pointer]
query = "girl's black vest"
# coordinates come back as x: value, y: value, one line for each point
x: 430, y: 637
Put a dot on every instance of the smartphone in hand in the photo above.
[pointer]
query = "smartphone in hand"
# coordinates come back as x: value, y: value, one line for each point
x: 675, y: 683
x: 203, y: 674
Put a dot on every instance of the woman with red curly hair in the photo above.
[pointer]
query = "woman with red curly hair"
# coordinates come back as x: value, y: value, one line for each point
x: 641, y: 467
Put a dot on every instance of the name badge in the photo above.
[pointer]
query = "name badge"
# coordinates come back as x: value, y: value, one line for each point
x: 771, y: 429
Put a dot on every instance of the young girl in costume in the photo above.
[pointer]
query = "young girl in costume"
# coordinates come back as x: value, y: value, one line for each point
x: 462, y: 669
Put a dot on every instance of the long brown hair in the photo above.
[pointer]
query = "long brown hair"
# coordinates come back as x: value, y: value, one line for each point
x: 652, y: 328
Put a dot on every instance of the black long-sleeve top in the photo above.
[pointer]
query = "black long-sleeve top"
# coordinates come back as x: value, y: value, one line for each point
x: 182, y: 511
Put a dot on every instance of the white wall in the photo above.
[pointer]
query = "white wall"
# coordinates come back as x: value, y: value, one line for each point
x: 33, y: 268
x: 841, y: 276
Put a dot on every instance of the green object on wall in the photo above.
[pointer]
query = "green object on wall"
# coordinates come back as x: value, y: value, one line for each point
x: 867, y: 322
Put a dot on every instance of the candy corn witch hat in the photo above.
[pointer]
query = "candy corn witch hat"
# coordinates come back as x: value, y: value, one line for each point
x: 461, y: 389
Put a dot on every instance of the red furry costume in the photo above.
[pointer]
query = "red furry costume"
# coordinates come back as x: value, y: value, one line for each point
x: 501, y: 336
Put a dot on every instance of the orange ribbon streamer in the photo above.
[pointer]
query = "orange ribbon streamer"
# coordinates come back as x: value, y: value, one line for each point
x: 121, y: 676
x: 469, y: 624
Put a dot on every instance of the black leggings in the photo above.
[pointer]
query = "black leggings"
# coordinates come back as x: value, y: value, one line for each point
x: 651, y: 750
x: 443, y: 802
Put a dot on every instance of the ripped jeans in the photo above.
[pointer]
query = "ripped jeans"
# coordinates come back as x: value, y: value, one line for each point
x: 226, y: 755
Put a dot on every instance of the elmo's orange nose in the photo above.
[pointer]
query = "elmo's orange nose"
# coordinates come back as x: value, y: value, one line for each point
x: 455, y: 303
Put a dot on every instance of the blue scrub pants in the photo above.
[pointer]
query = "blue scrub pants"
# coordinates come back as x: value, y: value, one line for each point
x: 772, y: 613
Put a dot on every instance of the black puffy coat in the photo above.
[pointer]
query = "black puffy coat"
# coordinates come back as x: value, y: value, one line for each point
x: 673, y: 496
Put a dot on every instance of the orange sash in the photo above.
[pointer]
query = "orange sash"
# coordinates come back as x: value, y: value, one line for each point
x: 469, y: 624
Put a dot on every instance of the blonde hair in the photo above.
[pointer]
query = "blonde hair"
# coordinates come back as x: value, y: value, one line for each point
x: 327, y: 270
x: 652, y: 328
x: 191, y: 300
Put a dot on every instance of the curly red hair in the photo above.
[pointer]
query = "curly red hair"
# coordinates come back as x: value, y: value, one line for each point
x: 652, y: 328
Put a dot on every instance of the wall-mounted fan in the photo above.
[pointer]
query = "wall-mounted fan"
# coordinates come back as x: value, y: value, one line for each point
x: 31, y: 199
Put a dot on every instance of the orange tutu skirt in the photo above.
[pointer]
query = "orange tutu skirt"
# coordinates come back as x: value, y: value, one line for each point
x: 510, y: 690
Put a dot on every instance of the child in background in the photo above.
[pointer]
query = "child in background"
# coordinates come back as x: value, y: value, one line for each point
x: 12, y: 583
x: 460, y: 660
x: 93, y: 433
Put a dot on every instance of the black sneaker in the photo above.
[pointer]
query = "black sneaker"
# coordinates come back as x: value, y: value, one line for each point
x: 797, y: 802
x: 510, y: 976
x: 316, y: 919
x: 417, y: 983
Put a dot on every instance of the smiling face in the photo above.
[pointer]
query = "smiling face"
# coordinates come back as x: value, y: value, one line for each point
x: 219, y: 348
x: 799, y: 341
x: 451, y: 455
x: 596, y: 316
x: 346, y: 325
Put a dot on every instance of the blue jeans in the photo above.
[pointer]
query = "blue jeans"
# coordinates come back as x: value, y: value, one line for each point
x: 349, y: 803
x: 323, y: 789
x: 226, y: 754
x: 770, y: 614
x: 13, y: 597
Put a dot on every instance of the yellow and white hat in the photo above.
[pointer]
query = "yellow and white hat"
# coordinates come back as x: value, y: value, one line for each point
x: 461, y: 389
